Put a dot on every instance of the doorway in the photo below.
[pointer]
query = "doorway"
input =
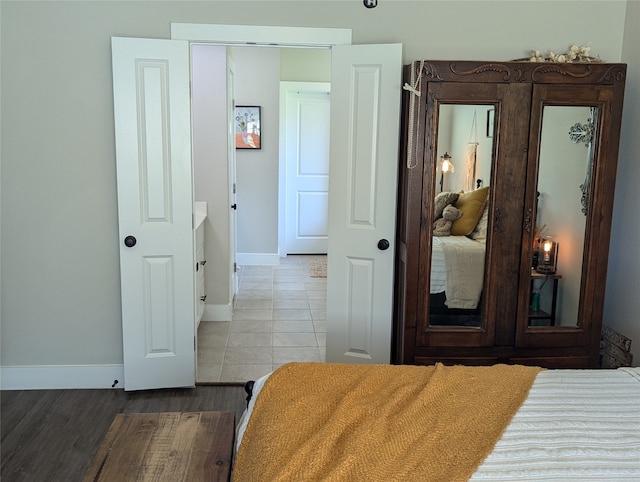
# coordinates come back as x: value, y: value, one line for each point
x: 363, y: 150
x: 304, y: 158
x: 260, y: 286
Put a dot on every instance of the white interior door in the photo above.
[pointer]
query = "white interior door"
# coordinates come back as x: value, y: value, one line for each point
x: 231, y: 159
x: 155, y: 211
x: 307, y: 110
x: 366, y: 86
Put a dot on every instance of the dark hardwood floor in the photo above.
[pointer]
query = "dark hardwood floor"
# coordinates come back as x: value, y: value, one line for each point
x: 52, y: 435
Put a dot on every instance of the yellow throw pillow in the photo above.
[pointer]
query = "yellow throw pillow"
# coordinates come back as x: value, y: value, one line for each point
x: 471, y: 204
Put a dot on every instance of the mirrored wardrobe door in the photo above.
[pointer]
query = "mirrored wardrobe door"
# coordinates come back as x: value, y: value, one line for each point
x: 471, y: 220
x: 562, y: 172
x: 464, y: 157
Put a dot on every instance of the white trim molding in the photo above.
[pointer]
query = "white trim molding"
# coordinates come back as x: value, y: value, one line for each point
x: 217, y: 312
x: 261, y: 35
x: 260, y: 259
x: 51, y: 377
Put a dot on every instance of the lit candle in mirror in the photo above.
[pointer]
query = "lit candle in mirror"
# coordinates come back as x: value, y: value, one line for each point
x: 546, y: 247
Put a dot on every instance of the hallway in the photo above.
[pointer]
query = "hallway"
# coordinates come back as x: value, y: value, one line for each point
x: 279, y: 316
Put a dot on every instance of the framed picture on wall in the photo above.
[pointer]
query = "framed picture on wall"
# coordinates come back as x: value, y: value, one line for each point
x: 247, y: 127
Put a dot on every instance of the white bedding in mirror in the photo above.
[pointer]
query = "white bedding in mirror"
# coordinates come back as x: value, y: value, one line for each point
x: 457, y: 268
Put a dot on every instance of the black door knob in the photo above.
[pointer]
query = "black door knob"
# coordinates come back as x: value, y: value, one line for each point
x: 234, y: 206
x: 383, y: 244
x: 130, y: 241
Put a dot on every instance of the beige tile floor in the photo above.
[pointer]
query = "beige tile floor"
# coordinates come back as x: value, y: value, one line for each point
x: 279, y: 316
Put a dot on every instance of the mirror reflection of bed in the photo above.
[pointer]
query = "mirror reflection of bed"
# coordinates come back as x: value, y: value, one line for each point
x: 458, y: 259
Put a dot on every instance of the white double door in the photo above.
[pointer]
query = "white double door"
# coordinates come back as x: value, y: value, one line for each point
x: 155, y: 205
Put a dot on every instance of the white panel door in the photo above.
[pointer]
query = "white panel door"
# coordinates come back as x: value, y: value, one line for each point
x: 231, y: 159
x: 365, y: 116
x: 155, y: 211
x: 307, y: 178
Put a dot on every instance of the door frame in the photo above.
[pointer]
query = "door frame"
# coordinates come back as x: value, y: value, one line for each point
x: 231, y: 166
x: 255, y: 35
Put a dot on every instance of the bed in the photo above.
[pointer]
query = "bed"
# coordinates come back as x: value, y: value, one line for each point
x: 457, y: 261
x: 568, y: 425
x: 457, y: 270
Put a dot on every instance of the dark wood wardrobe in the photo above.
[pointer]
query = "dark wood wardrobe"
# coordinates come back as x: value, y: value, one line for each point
x: 546, y: 145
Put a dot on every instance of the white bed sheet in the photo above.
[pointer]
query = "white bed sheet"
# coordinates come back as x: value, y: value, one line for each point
x: 438, y: 268
x: 457, y: 268
x: 575, y: 425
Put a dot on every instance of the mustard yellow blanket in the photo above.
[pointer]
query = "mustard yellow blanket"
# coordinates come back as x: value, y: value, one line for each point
x: 332, y: 422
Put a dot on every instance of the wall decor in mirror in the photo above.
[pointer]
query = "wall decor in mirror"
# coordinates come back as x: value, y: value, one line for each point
x: 585, y: 133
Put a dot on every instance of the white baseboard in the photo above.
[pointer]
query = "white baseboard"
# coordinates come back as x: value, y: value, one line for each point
x: 217, y: 312
x: 258, y: 259
x: 50, y: 377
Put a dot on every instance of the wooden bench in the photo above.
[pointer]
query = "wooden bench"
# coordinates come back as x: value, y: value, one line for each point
x: 172, y: 446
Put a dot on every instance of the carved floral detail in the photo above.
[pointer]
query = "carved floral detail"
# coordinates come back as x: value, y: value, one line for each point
x: 429, y: 70
x: 547, y: 68
x: 492, y: 67
x: 615, y: 73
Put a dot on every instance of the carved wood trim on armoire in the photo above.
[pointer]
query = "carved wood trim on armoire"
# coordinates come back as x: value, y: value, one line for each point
x: 522, y: 114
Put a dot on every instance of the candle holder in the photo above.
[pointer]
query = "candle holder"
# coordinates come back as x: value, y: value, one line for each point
x: 548, y: 256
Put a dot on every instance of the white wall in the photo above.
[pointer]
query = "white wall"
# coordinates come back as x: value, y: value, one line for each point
x: 209, y: 111
x: 258, y: 83
x: 463, y: 132
x: 622, y: 303
x: 305, y: 65
x: 59, y: 245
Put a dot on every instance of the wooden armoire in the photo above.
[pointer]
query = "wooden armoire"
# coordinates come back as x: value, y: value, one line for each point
x: 546, y: 145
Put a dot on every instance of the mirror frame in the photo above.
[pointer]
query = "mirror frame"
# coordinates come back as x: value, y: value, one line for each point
x: 597, y: 226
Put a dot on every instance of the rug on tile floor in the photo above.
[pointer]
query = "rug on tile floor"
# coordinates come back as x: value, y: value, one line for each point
x: 318, y: 268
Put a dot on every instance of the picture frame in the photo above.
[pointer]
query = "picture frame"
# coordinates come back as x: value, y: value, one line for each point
x: 490, y: 122
x: 247, y: 127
